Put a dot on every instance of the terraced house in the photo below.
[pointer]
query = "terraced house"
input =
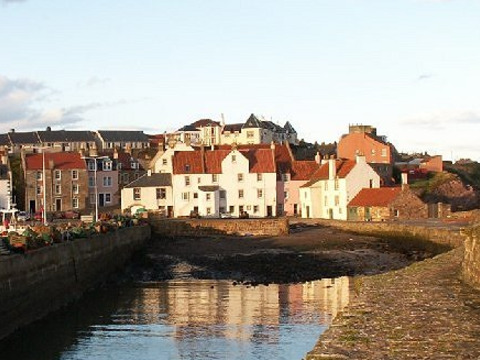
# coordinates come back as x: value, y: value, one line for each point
x: 56, y: 180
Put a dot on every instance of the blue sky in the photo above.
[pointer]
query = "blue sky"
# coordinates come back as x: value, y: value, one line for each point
x: 409, y: 67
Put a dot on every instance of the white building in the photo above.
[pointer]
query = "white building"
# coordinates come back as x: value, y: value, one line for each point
x: 211, y: 182
x: 333, y: 185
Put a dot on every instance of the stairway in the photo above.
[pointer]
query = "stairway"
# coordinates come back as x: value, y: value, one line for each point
x: 3, y: 248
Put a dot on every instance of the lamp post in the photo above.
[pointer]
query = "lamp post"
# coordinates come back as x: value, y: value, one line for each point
x: 95, y: 158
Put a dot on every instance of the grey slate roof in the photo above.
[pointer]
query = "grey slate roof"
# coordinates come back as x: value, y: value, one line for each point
x: 22, y: 138
x: 66, y: 136
x: 123, y: 136
x: 233, y: 127
x: 162, y: 179
x: 4, y: 140
x: 289, y: 128
x: 253, y: 122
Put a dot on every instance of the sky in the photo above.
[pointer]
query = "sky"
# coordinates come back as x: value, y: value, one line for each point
x: 411, y: 68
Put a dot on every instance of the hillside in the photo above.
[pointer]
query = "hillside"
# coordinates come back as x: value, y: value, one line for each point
x: 456, y: 187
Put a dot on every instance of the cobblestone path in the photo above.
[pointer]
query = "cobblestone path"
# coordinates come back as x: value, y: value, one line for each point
x: 421, y: 312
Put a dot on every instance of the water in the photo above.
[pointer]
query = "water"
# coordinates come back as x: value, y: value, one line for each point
x: 186, y: 319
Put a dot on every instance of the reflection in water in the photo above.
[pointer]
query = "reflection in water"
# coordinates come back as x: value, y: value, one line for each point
x: 192, y: 319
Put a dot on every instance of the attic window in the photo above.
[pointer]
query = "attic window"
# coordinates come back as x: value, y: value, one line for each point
x: 187, y: 167
x: 234, y: 158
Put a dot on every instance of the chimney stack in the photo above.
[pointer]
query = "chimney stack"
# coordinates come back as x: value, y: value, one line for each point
x: 404, y: 181
x: 332, y: 168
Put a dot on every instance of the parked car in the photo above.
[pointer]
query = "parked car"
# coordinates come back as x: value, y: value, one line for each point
x: 23, y: 216
x: 225, y: 215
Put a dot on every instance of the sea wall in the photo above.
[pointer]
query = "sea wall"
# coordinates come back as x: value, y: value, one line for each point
x: 440, y: 235
x: 209, y: 227
x: 41, y: 281
x: 471, y: 260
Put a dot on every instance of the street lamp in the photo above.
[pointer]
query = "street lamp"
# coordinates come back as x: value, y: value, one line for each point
x: 95, y: 158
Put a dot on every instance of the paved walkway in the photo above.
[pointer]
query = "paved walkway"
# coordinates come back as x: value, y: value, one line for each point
x: 420, y: 312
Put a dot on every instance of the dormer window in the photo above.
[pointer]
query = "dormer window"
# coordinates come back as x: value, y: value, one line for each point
x: 134, y: 165
x: 107, y: 165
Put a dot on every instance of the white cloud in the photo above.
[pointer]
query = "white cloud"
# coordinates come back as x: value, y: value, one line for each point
x: 94, y: 81
x: 442, y: 119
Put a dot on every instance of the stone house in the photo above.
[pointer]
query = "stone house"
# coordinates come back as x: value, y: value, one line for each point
x: 363, y: 140
x: 65, y: 140
x: 129, y: 169
x: 334, y: 185
x: 59, y: 178
x: 108, y: 140
x: 150, y: 191
x: 5, y: 182
x: 103, y: 178
x: 387, y: 203
x: 23, y: 141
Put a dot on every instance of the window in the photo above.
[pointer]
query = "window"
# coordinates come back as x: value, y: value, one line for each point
x: 208, y: 197
x: 185, y: 196
x: 396, y: 213
x: 107, y: 181
x: 250, y: 134
x: 255, y: 209
x: 39, y: 190
x: 58, y: 175
x: 75, y: 203
x: 199, y: 180
x: 107, y: 165
x: 231, y: 209
x: 75, y: 188
x: 187, y: 180
x: 92, y: 198
x: 214, y: 178
x: 259, y: 193
x: 240, y: 177
x: 39, y: 175
x: 240, y: 194
x: 223, y: 194
x: 249, y: 207
x: 137, y: 193
x: 325, y: 201
x: 337, y: 200
x: 91, y: 181
x: 259, y: 177
x: 91, y: 165
x: 74, y: 174
x: 371, y: 183
x: 58, y: 189
x: 187, y: 168
x: 336, y: 184
x: 221, y: 209
x: 384, y: 152
x: 195, y: 195
x: 209, y: 211
x: 326, y: 186
x: 134, y: 165
x: 285, y: 194
x: 108, y: 198
x: 161, y: 193
x: 234, y: 158
x: 285, y: 177
x: 125, y: 178
x: 164, y: 161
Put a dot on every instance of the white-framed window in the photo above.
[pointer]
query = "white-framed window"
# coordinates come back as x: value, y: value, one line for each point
x: 187, y: 180
x: 214, y: 178
x: 107, y: 165
x: 185, y: 196
x: 137, y: 193
x: 259, y: 193
x: 259, y: 177
x: 337, y: 200
x: 91, y: 165
x: 57, y: 175
x: 107, y: 181
x: 74, y: 174
x: 39, y: 190
x: 134, y: 165
x: 240, y: 177
x: 250, y: 134
x: 164, y: 162
x: 234, y: 158
x: 240, y: 194
x: 161, y: 193
x: 208, y: 196
x: 58, y: 189
x: 75, y: 203
x: 75, y: 189
x: 209, y: 211
x: 91, y: 181
x: 39, y: 175
x: 336, y: 184
x: 108, y: 198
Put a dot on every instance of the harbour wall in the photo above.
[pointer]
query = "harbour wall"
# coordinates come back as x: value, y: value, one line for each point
x: 471, y: 260
x: 41, y: 281
x: 211, y: 227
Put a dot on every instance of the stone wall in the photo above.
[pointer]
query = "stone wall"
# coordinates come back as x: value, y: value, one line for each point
x: 41, y: 281
x: 209, y: 227
x: 471, y: 260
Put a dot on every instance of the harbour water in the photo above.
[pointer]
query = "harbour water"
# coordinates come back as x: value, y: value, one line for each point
x: 185, y: 319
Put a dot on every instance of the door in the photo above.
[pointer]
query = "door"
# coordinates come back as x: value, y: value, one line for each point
x: 32, y: 207
x: 269, y: 211
x: 101, y: 199
x: 58, y: 204
x: 295, y: 209
x: 170, y: 211
x: 308, y: 212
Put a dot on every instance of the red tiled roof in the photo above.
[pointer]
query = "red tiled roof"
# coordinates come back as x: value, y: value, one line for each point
x: 205, y: 122
x: 303, y: 170
x: 190, y: 162
x: 343, y: 169
x: 61, y: 161
x: 380, y: 197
